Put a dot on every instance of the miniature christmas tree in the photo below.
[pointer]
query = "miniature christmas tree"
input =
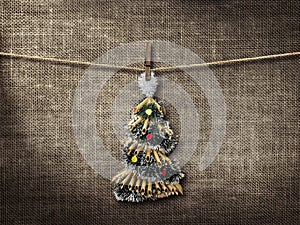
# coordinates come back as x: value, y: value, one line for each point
x: 148, y: 173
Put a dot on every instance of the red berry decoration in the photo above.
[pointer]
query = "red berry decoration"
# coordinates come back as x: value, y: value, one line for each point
x: 164, y: 172
x: 149, y: 136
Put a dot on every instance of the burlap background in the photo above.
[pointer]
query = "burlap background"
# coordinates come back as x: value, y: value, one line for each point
x: 254, y: 179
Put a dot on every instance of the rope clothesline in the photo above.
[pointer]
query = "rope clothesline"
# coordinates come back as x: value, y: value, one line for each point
x: 168, y: 68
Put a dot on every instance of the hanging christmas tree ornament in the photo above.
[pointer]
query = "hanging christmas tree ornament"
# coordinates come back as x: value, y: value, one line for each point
x: 148, y: 173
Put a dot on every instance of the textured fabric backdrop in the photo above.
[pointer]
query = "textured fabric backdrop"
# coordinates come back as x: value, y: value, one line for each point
x: 45, y: 179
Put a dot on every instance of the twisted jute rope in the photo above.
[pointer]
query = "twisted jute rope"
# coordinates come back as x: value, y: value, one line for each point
x: 215, y: 63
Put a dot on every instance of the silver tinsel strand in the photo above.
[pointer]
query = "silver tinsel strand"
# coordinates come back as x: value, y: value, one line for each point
x: 148, y: 88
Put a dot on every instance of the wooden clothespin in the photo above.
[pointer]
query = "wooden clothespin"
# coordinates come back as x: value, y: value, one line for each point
x: 148, y: 62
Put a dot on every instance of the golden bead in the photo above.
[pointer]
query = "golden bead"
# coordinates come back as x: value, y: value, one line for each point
x: 148, y: 112
x: 134, y: 159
